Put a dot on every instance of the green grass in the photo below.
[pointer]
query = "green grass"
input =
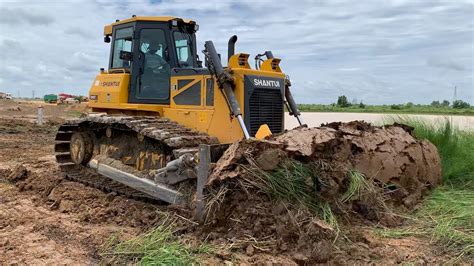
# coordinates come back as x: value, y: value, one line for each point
x: 446, y: 218
x: 451, y: 213
x: 357, y: 185
x: 157, y: 247
x: 395, y: 109
x: 447, y: 215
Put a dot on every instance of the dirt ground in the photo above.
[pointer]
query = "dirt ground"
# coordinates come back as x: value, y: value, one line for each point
x: 46, y: 219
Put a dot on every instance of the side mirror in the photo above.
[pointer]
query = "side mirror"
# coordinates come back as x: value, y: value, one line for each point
x: 127, y: 56
x: 107, y: 39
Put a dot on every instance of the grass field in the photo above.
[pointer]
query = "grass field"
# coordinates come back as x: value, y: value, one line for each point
x: 391, y: 109
x: 447, y: 216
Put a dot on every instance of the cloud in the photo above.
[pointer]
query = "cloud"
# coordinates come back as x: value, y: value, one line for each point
x: 10, y: 44
x: 79, y: 31
x: 15, y: 16
x: 11, y: 48
x: 376, y: 51
x: 445, y: 63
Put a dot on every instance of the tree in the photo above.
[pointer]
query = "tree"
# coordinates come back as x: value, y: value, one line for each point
x: 395, y: 107
x: 342, y: 101
x: 361, y: 105
x: 460, y: 104
x: 445, y: 103
x: 409, y: 105
x: 435, y: 103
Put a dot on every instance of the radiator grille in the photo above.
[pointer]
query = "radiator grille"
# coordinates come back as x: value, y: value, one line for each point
x: 266, y: 107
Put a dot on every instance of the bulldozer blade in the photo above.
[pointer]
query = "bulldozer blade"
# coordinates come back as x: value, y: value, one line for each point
x: 156, y: 191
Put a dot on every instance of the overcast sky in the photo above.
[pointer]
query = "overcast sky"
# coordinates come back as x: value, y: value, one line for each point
x: 378, y: 52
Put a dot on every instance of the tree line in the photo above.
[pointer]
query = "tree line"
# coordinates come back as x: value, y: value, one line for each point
x: 457, y: 104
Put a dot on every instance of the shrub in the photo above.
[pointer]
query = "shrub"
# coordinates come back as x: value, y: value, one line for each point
x: 460, y: 104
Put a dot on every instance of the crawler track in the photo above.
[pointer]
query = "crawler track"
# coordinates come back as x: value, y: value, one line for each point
x: 171, y: 135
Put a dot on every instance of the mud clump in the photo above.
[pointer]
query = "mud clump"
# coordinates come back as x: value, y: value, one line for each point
x: 15, y: 108
x: 19, y: 173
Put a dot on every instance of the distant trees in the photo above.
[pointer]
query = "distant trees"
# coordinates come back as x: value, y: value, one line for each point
x: 435, y: 104
x: 459, y: 104
x: 342, y: 101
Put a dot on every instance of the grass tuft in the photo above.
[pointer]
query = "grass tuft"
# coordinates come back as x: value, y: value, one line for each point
x: 357, y: 184
x: 294, y: 183
x: 157, y: 247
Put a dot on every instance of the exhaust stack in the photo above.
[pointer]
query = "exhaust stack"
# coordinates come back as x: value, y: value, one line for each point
x: 231, y: 47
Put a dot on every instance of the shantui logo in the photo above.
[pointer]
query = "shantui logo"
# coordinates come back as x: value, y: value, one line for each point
x: 110, y: 83
x: 266, y: 83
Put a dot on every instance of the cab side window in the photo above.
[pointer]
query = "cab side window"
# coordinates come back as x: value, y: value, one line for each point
x: 123, y: 42
x: 182, y: 42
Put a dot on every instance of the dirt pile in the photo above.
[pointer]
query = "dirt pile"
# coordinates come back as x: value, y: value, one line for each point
x: 275, y: 190
x: 90, y: 204
x: 389, y: 156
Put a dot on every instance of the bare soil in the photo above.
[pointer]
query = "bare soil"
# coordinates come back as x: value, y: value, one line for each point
x: 46, y: 219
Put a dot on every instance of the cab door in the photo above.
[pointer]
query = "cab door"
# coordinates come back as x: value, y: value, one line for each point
x: 150, y: 82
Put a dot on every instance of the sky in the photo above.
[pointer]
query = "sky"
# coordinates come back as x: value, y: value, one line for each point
x: 378, y: 52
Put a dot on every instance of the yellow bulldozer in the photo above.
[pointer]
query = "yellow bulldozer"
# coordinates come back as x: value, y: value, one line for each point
x: 158, y: 119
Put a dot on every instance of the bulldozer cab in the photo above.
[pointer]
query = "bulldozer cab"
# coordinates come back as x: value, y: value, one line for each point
x: 154, y: 70
x: 152, y: 50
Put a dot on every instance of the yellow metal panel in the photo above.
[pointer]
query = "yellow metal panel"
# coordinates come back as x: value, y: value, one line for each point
x: 239, y: 61
x: 108, y: 28
x: 110, y: 91
x: 175, y: 91
x: 272, y: 64
x: 110, y: 88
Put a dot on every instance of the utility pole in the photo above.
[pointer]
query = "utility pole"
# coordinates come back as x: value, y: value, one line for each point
x: 455, y: 94
x: 33, y: 92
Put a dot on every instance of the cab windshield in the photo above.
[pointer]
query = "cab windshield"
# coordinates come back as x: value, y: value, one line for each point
x: 184, y: 43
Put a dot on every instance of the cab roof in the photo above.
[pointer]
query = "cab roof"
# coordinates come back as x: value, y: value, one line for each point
x: 108, y: 28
